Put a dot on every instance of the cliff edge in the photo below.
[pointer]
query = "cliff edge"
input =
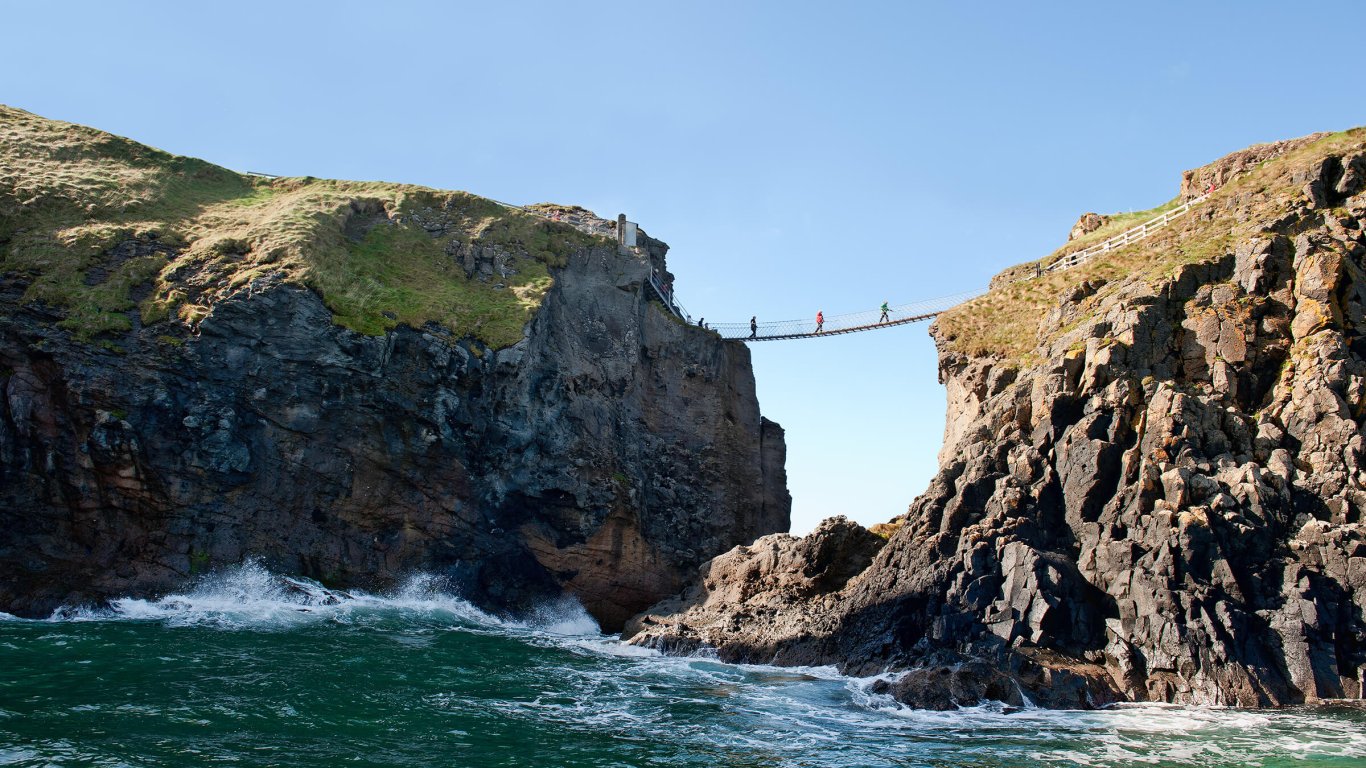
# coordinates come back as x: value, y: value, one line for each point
x: 1151, y: 487
x: 349, y: 381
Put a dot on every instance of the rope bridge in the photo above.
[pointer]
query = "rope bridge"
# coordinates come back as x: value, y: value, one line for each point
x: 836, y: 325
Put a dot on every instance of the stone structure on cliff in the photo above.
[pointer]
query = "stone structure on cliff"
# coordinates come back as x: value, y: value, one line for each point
x: 601, y: 447
x: 1151, y: 488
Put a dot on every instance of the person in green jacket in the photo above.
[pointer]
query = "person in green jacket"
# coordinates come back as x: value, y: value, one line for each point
x: 885, y: 317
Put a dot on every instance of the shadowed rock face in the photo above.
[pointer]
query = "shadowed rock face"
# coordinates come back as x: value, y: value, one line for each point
x: 608, y: 454
x: 1164, y: 505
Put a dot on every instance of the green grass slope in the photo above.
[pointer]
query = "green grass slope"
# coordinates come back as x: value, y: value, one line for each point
x: 101, y: 226
x: 1007, y: 321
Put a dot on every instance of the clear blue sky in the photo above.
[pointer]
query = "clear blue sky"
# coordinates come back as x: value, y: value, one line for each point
x: 796, y: 156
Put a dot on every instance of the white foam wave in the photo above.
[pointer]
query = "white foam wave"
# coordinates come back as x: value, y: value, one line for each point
x: 806, y: 711
x: 565, y: 616
x: 251, y: 596
x: 804, y: 699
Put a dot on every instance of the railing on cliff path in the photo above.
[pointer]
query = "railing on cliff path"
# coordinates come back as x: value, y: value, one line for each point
x: 666, y: 295
x: 1131, y: 235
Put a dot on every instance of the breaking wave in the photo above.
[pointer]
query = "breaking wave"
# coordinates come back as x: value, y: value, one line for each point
x: 251, y: 596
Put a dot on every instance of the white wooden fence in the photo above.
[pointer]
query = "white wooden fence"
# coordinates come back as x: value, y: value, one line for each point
x: 1131, y: 235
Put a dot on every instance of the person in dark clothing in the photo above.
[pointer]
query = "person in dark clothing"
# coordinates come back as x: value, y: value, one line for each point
x: 701, y: 322
x: 885, y: 310
x: 754, y: 327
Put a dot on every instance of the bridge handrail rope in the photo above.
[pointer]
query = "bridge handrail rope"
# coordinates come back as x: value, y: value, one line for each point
x: 847, y: 323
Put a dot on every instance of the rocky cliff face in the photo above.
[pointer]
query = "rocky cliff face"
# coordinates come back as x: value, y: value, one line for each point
x: 607, y: 453
x: 1160, y: 501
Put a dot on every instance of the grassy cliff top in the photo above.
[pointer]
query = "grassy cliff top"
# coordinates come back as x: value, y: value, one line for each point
x: 1008, y: 321
x: 102, y: 226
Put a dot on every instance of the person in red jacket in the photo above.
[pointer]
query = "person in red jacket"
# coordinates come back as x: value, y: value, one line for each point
x: 820, y: 320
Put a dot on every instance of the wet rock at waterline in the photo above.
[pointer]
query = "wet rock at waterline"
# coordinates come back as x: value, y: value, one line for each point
x: 1151, y: 487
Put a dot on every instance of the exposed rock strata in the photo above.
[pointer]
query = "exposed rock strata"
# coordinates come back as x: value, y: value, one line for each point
x: 1196, y: 182
x: 1164, y: 504
x: 609, y: 453
x: 1086, y: 224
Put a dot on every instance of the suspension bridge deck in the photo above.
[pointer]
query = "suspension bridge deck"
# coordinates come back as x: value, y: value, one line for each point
x: 838, y: 331
x: 838, y: 325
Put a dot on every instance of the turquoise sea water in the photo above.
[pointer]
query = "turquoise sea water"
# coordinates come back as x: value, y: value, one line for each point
x: 246, y: 669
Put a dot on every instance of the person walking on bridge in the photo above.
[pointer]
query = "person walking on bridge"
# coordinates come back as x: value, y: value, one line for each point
x: 885, y: 316
x: 754, y: 326
x: 820, y: 320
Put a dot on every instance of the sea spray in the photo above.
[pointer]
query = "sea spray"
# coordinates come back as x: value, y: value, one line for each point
x: 249, y: 595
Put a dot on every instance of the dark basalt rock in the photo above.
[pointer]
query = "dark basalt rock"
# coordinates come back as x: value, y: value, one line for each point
x: 607, y: 454
x: 1165, y: 504
x: 946, y: 681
